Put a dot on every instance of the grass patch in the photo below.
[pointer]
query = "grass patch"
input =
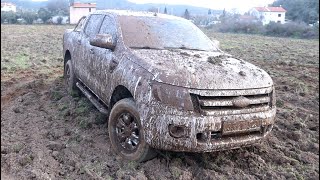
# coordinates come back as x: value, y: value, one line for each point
x: 84, y: 123
x: 83, y: 107
x: 279, y: 103
x: 19, y: 61
x: 17, y: 147
x: 175, y: 172
x: 64, y: 110
x: 56, y: 95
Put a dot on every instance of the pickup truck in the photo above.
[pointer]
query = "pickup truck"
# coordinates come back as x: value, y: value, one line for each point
x: 165, y: 85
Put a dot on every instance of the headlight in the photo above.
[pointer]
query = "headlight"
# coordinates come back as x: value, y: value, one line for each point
x: 172, y: 95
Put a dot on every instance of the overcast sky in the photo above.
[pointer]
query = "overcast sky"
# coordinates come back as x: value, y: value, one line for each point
x: 214, y: 4
x: 242, y: 5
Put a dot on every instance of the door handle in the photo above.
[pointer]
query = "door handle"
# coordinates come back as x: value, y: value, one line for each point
x: 113, y: 64
x: 91, y: 51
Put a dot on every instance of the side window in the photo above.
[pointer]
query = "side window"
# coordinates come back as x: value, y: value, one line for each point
x: 93, y: 25
x: 80, y: 24
x: 109, y: 27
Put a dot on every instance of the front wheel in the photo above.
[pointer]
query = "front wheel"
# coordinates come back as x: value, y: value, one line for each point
x: 126, y: 134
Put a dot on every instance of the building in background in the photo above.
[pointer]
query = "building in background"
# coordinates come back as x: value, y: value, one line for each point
x: 77, y: 10
x: 269, y: 14
x: 7, y: 6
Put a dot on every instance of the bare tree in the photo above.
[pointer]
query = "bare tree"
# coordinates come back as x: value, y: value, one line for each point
x: 186, y: 14
x: 165, y: 10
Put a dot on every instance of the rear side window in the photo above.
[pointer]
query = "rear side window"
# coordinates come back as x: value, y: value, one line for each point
x: 93, y: 25
x: 80, y: 24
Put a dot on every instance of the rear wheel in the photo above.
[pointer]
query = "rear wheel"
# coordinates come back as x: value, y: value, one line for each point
x: 70, y: 79
x: 126, y: 134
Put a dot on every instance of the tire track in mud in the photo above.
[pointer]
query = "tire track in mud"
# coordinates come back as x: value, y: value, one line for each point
x: 21, y: 122
x: 51, y: 135
x: 22, y: 82
x: 41, y: 142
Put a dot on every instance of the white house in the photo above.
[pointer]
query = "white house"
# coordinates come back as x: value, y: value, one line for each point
x: 269, y: 14
x: 7, y: 6
x: 77, y: 10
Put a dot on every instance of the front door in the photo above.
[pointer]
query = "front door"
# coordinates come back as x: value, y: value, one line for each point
x: 102, y: 58
x: 88, y: 53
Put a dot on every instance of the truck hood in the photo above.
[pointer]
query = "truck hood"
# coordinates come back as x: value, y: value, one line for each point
x: 202, y: 70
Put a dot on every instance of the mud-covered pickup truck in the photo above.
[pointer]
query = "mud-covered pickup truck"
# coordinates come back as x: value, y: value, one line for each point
x: 166, y: 85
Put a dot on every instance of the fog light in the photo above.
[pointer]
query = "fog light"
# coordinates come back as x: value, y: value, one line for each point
x: 202, y: 137
x: 177, y: 131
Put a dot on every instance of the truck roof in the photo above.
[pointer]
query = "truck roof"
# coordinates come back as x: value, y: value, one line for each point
x: 136, y: 13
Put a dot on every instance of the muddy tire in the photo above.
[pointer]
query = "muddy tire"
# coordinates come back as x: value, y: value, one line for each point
x: 126, y: 134
x: 70, y: 78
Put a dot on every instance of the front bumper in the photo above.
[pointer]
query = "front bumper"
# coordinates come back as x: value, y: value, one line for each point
x: 205, y: 133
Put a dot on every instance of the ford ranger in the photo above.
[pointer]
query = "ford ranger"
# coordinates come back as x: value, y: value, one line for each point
x: 165, y: 85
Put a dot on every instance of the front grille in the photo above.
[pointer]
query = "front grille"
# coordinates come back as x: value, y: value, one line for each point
x: 222, y: 104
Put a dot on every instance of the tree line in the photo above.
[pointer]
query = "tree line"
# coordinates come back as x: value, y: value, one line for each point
x: 53, y: 8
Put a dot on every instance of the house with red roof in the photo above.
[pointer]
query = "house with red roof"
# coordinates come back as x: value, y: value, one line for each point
x: 78, y: 9
x: 269, y: 14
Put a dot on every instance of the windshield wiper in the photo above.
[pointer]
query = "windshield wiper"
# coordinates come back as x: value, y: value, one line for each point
x: 146, y: 47
x: 184, y: 48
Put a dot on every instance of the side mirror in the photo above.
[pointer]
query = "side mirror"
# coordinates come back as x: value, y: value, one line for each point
x: 104, y: 41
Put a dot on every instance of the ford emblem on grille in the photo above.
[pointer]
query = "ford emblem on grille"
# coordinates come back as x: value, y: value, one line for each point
x: 241, y: 102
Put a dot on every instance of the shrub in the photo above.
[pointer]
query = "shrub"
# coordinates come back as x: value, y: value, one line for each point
x: 240, y: 27
x: 9, y: 17
x: 59, y: 20
x: 293, y: 29
x: 296, y: 30
x: 28, y: 16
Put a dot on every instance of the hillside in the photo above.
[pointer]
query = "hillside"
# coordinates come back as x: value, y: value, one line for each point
x: 122, y: 4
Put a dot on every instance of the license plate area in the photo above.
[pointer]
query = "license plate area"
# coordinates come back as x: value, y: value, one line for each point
x: 238, y: 127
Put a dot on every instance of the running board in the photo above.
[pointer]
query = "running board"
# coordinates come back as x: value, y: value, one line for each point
x: 92, y: 98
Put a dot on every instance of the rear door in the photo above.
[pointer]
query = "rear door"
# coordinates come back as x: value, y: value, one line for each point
x: 77, y: 35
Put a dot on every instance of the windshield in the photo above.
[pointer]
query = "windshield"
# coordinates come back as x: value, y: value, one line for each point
x: 163, y: 33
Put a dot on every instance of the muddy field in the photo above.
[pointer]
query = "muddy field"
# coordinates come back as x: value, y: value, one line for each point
x: 48, y: 134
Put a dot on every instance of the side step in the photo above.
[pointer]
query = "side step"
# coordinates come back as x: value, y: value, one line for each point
x: 92, y: 98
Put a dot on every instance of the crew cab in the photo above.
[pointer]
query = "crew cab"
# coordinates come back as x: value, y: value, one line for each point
x: 165, y: 85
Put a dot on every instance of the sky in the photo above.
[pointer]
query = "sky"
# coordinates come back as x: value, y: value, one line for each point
x: 242, y: 5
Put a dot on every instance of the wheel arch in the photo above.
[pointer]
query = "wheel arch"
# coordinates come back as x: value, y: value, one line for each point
x: 120, y: 92
x: 67, y: 56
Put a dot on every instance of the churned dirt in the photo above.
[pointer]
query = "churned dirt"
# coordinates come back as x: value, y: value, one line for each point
x: 48, y: 134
